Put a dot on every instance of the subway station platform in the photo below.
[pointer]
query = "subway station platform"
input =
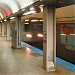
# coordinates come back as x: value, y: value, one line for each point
x: 24, y: 61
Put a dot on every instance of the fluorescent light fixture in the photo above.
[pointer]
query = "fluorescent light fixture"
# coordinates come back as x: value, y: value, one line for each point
x: 28, y: 35
x: 30, y: 12
x: 72, y: 34
x: 12, y: 18
x: 1, y: 15
x: 41, y: 20
x: 39, y: 35
x: 62, y: 34
x: 26, y: 23
x: 5, y: 20
x: 34, y: 20
x: 27, y: 20
x: 0, y: 21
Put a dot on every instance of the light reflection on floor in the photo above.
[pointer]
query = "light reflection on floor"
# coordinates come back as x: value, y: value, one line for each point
x: 28, y: 50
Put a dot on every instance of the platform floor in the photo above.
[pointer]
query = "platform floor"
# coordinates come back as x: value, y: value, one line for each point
x: 24, y: 62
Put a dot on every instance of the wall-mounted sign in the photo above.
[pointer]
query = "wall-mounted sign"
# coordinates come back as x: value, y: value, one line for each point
x: 69, y: 24
x: 44, y: 37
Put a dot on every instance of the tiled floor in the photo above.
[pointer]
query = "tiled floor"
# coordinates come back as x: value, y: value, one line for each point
x: 24, y: 62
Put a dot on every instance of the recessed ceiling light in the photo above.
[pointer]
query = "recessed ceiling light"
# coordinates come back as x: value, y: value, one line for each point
x: 12, y: 18
x: 41, y: 20
x: 30, y: 12
x: 5, y: 20
x: 34, y: 20
x: 26, y: 23
x: 0, y: 21
x: 27, y: 20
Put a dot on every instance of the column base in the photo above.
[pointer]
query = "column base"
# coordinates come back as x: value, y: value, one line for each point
x: 17, y: 47
x: 8, y: 39
x: 3, y: 35
x: 50, y: 66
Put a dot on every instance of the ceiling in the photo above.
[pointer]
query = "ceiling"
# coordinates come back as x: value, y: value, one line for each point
x: 66, y: 13
x: 62, y: 14
x: 59, y: 3
x: 8, y: 7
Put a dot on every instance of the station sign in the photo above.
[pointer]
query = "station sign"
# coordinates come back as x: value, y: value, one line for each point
x: 69, y: 25
x: 66, y: 25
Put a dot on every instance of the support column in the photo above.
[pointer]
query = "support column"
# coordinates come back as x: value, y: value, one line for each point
x: 0, y: 29
x: 3, y: 29
x: 22, y: 31
x: 49, y: 40
x: 16, y: 33
x: 8, y: 38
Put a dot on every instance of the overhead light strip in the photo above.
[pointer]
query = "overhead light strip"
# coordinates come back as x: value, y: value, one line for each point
x: 30, y: 12
x: 12, y: 18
